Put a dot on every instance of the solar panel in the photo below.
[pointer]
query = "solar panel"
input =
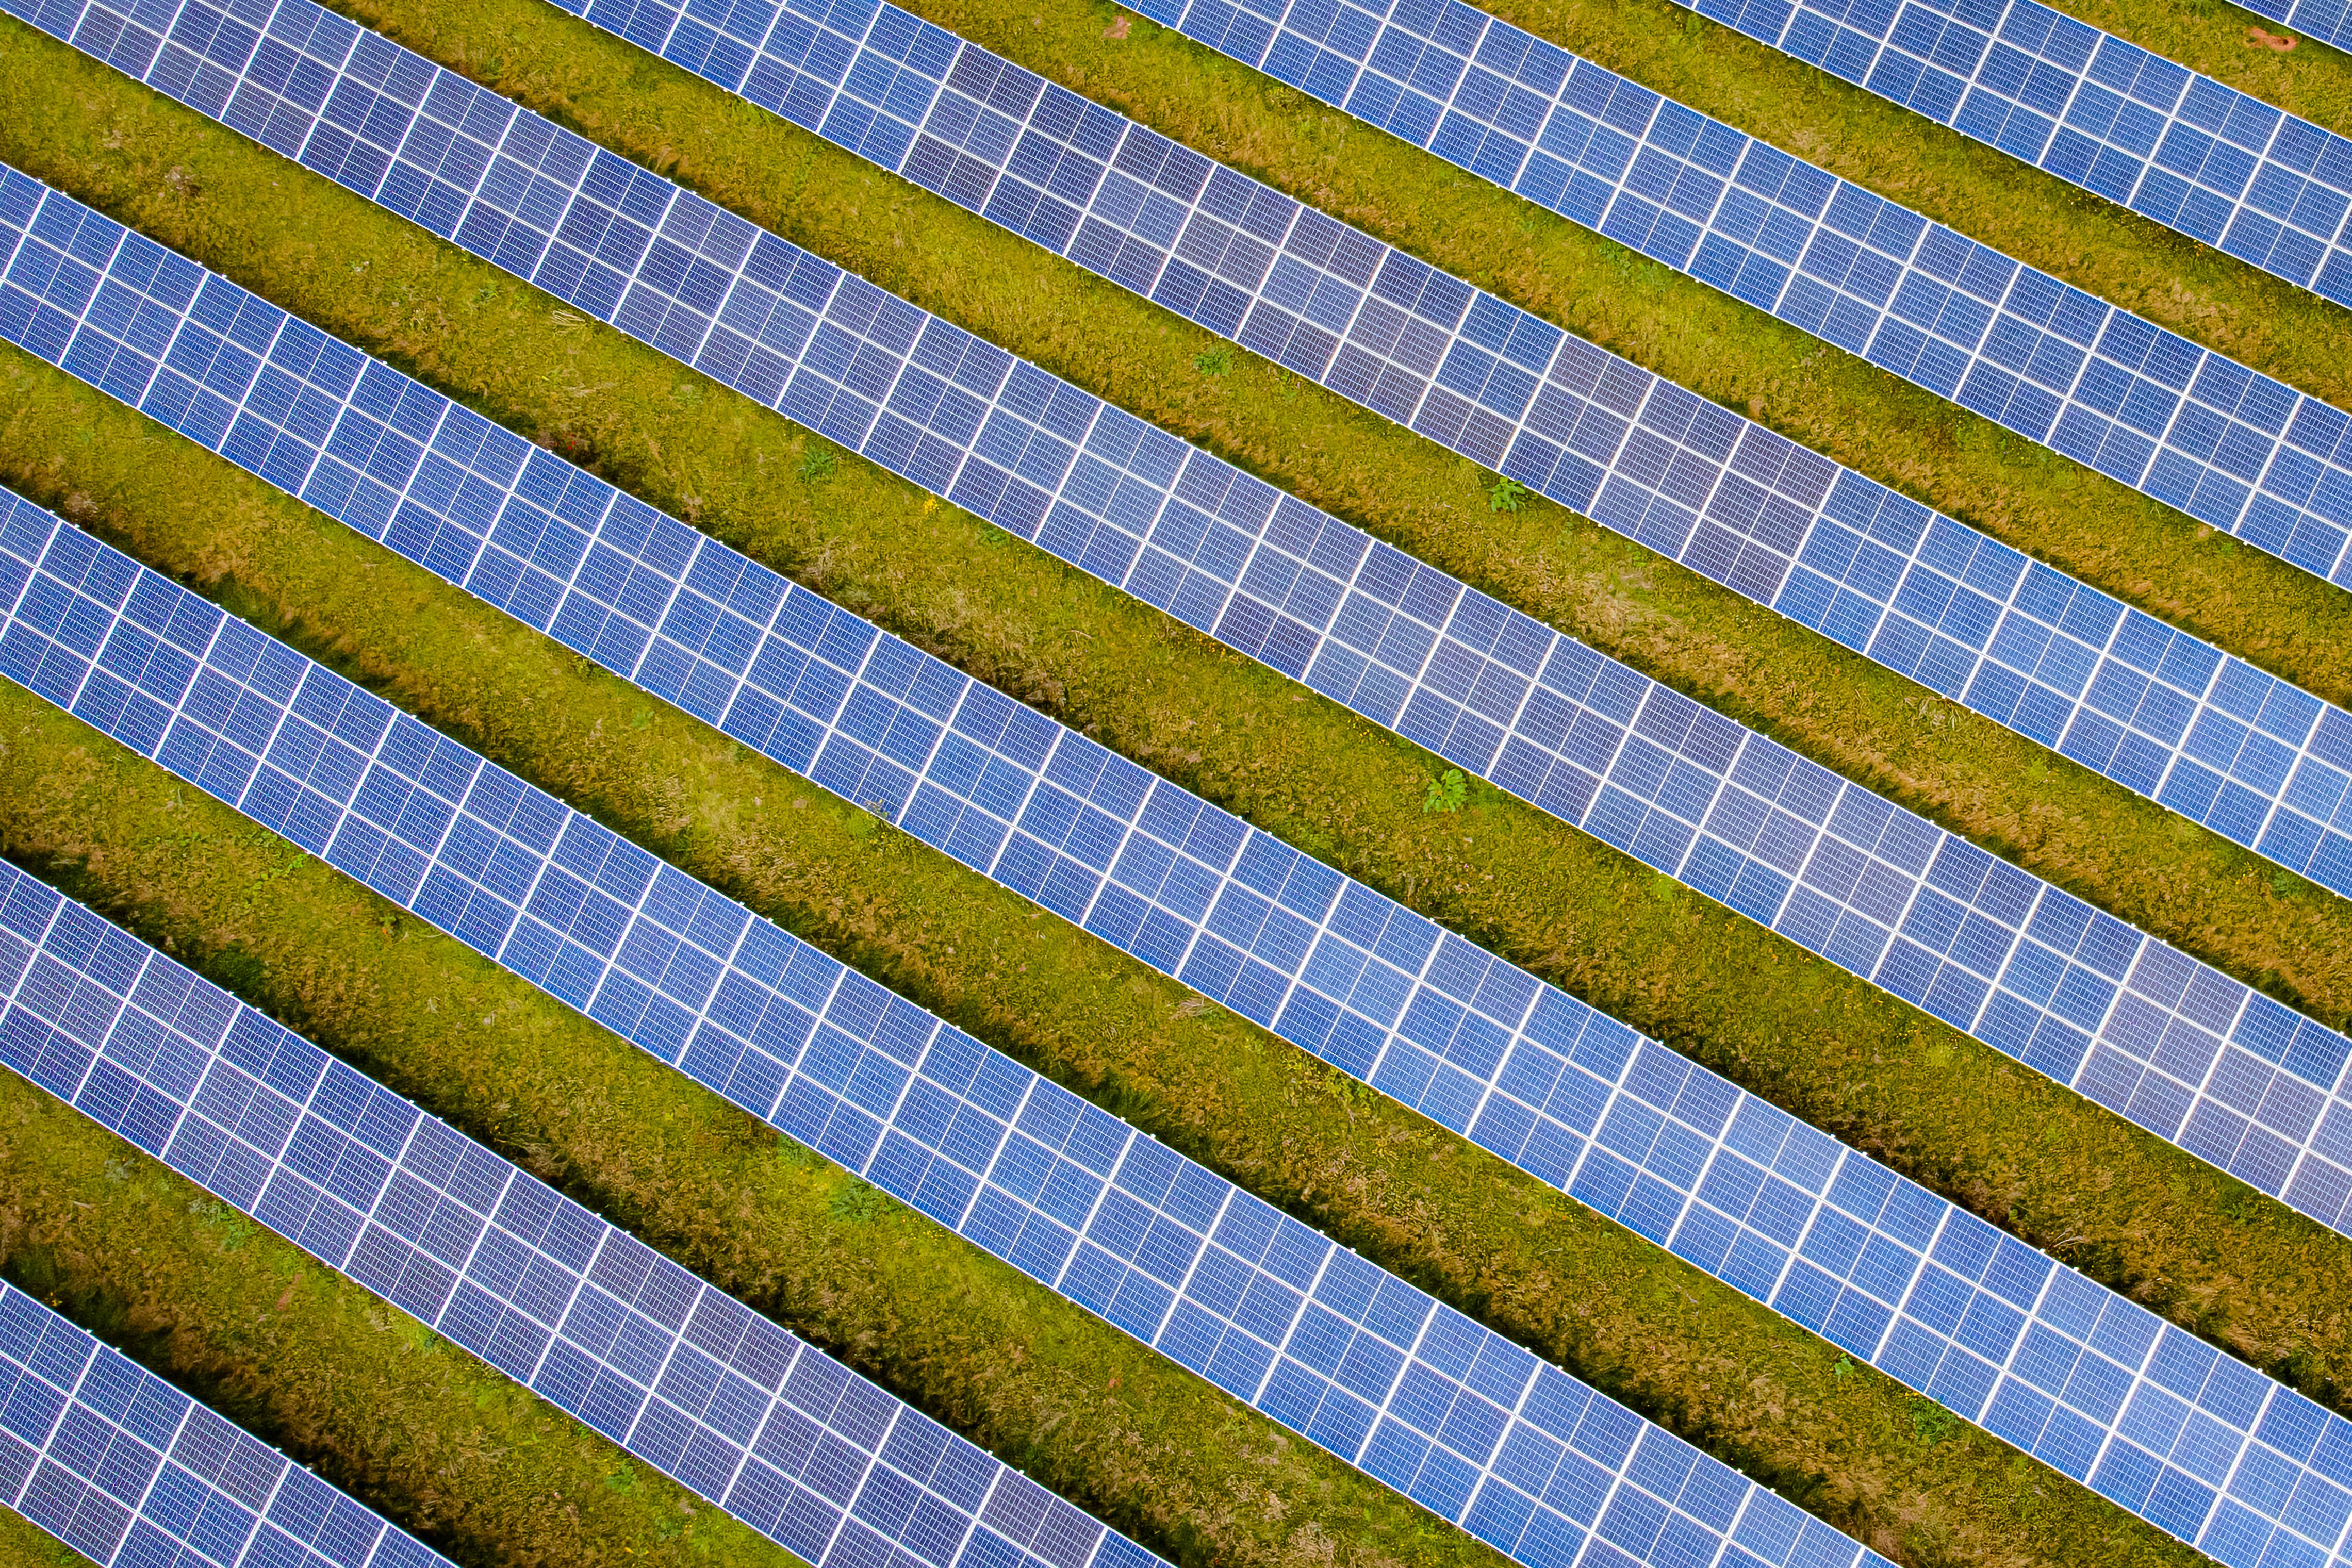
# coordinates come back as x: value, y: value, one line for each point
x: 751, y: 1417
x: 125, y: 1469
x: 2151, y: 708
x: 2192, y: 428
x: 2025, y: 967
x: 1175, y: 1256
x: 1475, y: 1428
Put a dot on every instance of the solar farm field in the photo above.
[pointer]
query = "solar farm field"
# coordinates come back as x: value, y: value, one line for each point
x: 1693, y: 1202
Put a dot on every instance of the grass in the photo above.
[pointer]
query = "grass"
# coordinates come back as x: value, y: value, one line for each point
x: 2136, y: 1213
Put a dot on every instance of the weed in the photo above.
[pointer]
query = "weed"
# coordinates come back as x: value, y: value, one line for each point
x: 1449, y: 791
x: 1214, y: 361
x: 1844, y: 1369
x: 1507, y: 495
x: 1931, y: 1423
x: 817, y: 464
x: 233, y: 1229
x: 856, y: 1202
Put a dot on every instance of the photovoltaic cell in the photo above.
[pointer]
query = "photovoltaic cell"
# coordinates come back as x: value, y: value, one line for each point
x: 750, y: 1416
x: 125, y: 1469
x: 2151, y: 708
x: 1112, y: 1220
x: 2023, y: 966
x: 2192, y: 428
x: 1417, y: 1396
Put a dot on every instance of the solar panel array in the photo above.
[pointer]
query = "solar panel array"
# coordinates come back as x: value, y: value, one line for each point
x: 2151, y: 708
x: 1452, y: 1414
x: 2023, y: 966
x: 751, y: 1417
x: 1420, y: 1397
x: 2192, y: 428
x: 1673, y: 1151
x: 125, y: 1469
x: 2203, y: 1446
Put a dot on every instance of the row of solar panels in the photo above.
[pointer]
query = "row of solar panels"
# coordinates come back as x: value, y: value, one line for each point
x: 1824, y: 1235
x: 869, y: 737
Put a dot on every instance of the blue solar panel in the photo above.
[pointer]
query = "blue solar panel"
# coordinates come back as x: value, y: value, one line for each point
x: 2024, y: 967
x: 1067, y: 1193
x: 2194, y: 429
x: 2153, y: 709
x: 1380, y: 1374
x: 125, y: 1469
x: 679, y: 1373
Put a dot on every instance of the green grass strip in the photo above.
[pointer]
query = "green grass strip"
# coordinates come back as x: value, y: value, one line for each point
x: 450, y: 1446
x: 2120, y: 851
x: 1154, y: 1450
x: 2136, y: 1213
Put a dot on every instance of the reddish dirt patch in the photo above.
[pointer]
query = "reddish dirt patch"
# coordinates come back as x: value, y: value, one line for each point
x: 2255, y: 38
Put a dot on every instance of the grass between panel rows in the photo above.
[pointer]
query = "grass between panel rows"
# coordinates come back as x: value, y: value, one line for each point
x: 2138, y: 1214
x: 2145, y: 863
x: 1137, y: 1439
